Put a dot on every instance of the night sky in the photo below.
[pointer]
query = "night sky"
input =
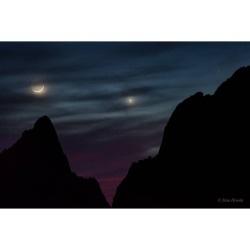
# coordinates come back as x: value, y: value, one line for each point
x: 109, y: 102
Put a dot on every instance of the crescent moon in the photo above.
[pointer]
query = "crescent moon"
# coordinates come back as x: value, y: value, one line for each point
x: 39, y: 90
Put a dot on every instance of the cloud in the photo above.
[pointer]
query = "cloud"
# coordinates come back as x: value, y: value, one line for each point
x: 144, y: 49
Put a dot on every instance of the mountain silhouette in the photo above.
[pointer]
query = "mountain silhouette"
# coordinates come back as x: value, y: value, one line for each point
x: 203, y: 161
x: 35, y: 173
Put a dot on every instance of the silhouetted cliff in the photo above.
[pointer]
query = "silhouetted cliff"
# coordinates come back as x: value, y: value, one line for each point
x: 35, y: 173
x: 203, y: 160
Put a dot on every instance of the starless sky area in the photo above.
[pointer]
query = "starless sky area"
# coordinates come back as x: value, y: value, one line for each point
x: 109, y: 101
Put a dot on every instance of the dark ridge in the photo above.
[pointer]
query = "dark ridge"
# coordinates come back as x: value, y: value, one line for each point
x: 35, y: 173
x: 43, y: 126
x: 230, y: 89
x: 203, y: 161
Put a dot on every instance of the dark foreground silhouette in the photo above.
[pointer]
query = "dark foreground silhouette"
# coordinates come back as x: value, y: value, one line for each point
x: 203, y: 161
x: 35, y: 173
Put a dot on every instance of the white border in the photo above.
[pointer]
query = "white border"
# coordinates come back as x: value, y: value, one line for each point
x: 130, y: 20
x: 125, y: 229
